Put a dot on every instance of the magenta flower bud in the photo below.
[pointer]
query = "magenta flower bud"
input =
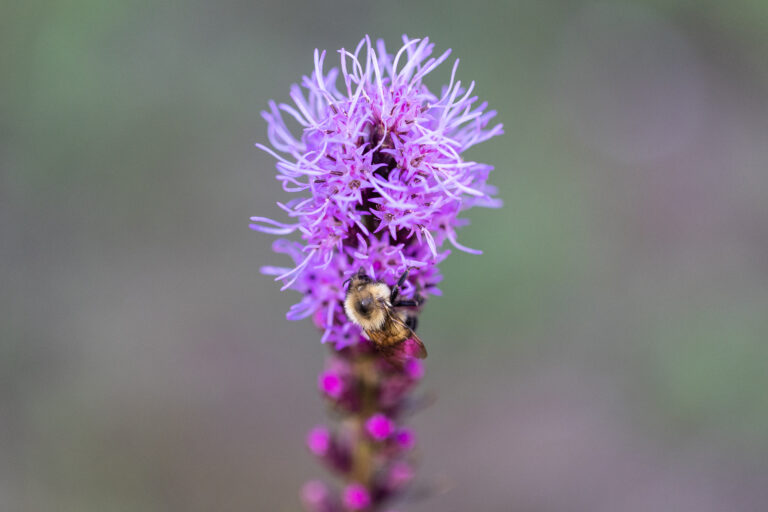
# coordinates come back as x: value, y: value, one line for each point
x: 319, y: 441
x: 316, y: 497
x: 399, y: 475
x: 379, y: 427
x: 332, y: 450
x: 405, y: 439
x: 356, y: 497
x: 331, y: 384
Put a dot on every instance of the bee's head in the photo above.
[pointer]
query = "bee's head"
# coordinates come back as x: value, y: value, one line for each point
x: 360, y: 278
x: 365, y: 300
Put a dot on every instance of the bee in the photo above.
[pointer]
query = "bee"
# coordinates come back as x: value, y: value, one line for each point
x: 374, y: 307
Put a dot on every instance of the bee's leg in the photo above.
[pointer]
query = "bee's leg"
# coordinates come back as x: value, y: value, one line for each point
x: 412, y: 321
x: 407, y: 304
x: 396, y: 288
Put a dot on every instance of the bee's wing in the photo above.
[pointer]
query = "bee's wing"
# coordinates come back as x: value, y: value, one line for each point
x: 415, y: 347
x: 412, y: 346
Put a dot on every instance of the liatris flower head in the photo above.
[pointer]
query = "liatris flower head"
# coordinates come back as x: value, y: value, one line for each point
x: 378, y: 173
x: 375, y: 163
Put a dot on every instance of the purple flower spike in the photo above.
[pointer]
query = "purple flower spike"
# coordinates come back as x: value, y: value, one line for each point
x: 379, y: 427
x: 374, y: 163
x: 356, y: 497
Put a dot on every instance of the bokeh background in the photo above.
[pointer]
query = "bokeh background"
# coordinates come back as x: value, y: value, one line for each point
x: 608, y: 352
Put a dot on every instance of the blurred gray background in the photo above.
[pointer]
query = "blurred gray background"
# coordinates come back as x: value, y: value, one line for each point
x: 607, y: 352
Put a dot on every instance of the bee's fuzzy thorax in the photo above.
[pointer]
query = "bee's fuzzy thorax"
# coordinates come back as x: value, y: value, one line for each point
x: 380, y: 291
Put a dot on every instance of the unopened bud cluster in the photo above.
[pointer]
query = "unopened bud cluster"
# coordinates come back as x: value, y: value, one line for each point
x: 369, y: 449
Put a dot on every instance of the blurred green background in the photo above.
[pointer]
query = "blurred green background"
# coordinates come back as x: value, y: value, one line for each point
x: 608, y: 351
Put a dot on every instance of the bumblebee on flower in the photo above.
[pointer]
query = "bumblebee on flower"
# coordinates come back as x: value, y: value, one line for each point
x: 380, y: 182
x: 377, y: 309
